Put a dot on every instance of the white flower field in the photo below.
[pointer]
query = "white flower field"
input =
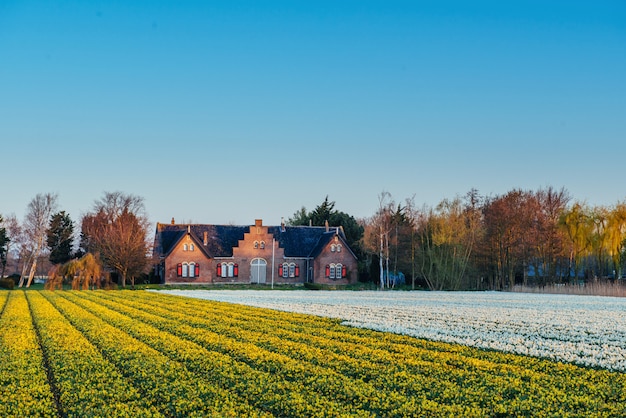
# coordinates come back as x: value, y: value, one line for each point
x: 585, y: 330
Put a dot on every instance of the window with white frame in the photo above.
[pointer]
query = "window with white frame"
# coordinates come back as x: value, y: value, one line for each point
x: 185, y: 247
x: 262, y: 245
x: 292, y: 270
x: 285, y: 270
x: 226, y: 269
x: 185, y: 271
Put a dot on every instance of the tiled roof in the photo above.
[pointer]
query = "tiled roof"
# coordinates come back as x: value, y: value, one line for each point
x: 297, y: 241
x: 220, y: 238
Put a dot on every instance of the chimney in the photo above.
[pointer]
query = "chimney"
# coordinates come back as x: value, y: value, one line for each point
x: 258, y: 222
x: 282, y: 224
x: 326, y: 224
x: 173, y: 222
x: 206, y: 238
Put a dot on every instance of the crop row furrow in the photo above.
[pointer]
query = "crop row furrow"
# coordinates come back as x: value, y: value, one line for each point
x: 385, y: 392
x: 557, y: 385
x: 410, y: 375
x: 167, y: 384
x: 87, y: 383
x: 269, y: 391
x: 24, y: 386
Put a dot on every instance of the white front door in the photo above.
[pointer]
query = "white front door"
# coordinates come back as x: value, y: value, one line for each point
x: 258, y: 267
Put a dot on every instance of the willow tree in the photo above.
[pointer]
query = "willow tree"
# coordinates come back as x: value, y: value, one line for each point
x: 616, y: 236
x: 117, y: 230
x: 449, y: 234
x: 576, y: 222
x: 85, y: 273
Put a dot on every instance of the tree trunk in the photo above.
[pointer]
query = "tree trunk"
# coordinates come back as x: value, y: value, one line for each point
x: 33, y: 268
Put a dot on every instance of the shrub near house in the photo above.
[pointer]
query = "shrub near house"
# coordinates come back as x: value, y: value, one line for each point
x: 202, y: 253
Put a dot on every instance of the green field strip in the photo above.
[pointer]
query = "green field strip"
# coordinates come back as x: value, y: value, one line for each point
x: 379, y: 391
x: 24, y: 386
x: 88, y: 385
x: 437, y: 378
x: 317, y: 378
x: 168, y: 384
x: 389, y: 342
x: 270, y: 389
x: 554, y: 386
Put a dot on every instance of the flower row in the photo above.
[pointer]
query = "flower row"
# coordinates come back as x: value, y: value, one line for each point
x: 146, y: 354
x: 24, y: 387
x: 444, y: 376
x: 585, y: 330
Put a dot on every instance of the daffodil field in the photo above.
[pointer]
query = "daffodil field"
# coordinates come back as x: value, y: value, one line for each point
x: 140, y: 354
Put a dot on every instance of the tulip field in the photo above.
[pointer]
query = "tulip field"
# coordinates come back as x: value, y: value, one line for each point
x: 151, y: 354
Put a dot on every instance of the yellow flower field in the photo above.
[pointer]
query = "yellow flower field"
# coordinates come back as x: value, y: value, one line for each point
x: 136, y: 353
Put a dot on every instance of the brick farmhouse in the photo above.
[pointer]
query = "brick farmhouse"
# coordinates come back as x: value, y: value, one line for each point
x: 199, y: 253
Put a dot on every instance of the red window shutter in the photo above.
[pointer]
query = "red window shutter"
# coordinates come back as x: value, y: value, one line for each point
x: 219, y: 270
x: 344, y: 271
x: 280, y: 270
x: 297, y: 270
x: 327, y: 270
x: 236, y: 270
x: 197, y: 270
x: 179, y: 269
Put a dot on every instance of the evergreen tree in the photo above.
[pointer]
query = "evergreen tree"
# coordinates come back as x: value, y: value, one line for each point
x: 60, y: 238
x: 326, y: 212
x: 4, y: 243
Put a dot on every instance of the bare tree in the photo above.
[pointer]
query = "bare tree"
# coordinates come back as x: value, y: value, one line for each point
x: 382, y: 220
x: 35, y: 227
x: 16, y: 239
x: 117, y: 231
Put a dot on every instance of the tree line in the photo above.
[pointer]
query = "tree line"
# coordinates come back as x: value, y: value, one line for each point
x: 524, y: 237
x: 113, y: 240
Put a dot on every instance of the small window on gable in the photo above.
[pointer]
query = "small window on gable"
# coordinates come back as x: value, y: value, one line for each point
x: 338, y: 248
x: 185, y: 247
x: 191, y: 247
x: 333, y: 248
x: 262, y: 245
x: 256, y: 244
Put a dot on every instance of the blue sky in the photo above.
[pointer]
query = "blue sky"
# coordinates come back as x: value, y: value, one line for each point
x: 224, y: 112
